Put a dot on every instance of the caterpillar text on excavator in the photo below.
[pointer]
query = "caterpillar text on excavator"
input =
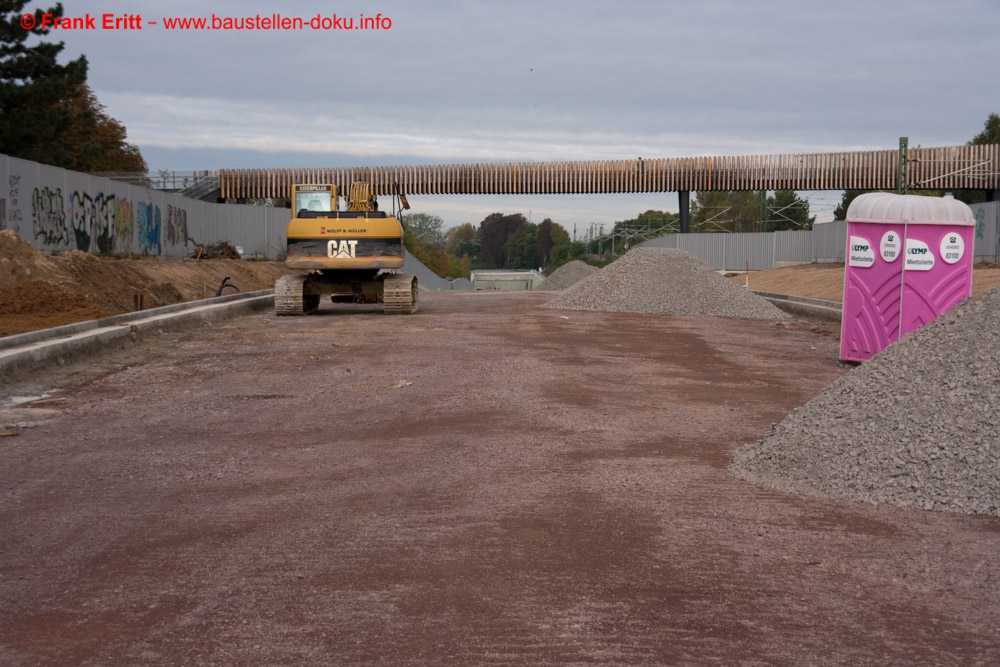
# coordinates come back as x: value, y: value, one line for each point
x: 351, y: 256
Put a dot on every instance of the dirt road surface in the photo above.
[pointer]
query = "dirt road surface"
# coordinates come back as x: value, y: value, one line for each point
x: 484, y: 482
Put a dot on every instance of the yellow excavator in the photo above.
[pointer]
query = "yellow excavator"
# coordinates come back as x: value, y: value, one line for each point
x: 351, y: 256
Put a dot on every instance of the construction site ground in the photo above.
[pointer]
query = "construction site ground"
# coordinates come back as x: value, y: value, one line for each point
x: 484, y: 482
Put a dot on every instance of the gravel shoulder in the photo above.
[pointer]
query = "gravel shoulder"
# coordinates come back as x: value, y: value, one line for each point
x: 485, y: 482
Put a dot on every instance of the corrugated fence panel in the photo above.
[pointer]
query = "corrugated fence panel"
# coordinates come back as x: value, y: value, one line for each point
x: 987, y: 234
x: 829, y: 241
x: 258, y: 230
x: 792, y: 246
x: 668, y: 241
x: 709, y: 248
x: 757, y: 248
x: 57, y: 210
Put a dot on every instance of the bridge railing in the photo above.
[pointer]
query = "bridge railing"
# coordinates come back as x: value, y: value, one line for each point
x: 951, y: 167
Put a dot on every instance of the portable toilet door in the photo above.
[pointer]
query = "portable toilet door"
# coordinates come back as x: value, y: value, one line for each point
x: 938, y: 263
x: 909, y: 259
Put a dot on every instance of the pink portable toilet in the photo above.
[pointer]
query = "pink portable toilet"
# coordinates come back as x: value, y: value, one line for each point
x: 909, y: 259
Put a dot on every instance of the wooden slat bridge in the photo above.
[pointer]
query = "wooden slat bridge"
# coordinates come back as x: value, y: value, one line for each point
x: 949, y: 168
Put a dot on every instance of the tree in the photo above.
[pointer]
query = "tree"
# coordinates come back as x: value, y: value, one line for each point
x: 426, y: 228
x: 786, y: 210
x: 646, y: 225
x: 567, y: 252
x: 732, y: 211
x: 494, y: 231
x: 990, y: 133
x: 97, y: 141
x: 461, y: 240
x: 521, y: 248
x: 840, y: 213
x: 34, y: 88
x: 550, y: 234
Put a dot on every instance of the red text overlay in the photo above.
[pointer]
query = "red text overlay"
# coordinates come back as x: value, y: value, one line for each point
x: 213, y: 22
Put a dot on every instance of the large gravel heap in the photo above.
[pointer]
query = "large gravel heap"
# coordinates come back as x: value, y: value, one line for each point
x: 665, y: 281
x: 567, y: 275
x: 917, y: 425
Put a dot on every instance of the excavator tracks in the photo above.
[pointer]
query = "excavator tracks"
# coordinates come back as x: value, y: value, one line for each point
x: 290, y: 296
x: 400, y: 295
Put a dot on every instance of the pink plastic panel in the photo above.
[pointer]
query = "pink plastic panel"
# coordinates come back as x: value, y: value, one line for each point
x: 939, y: 272
x: 870, y: 318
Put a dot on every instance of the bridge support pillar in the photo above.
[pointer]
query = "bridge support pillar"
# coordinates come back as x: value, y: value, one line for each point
x: 684, y: 199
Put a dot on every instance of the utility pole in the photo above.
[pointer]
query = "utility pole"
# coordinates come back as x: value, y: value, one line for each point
x: 903, y: 185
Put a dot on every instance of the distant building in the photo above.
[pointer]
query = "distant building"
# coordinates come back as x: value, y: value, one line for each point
x: 506, y: 281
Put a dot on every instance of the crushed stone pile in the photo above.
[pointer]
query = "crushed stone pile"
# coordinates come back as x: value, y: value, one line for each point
x: 663, y: 281
x: 915, y: 426
x: 567, y: 275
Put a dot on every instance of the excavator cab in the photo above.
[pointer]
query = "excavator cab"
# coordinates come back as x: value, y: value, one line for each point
x: 311, y: 200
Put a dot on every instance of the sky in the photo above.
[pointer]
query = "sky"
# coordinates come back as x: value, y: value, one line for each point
x: 454, y: 82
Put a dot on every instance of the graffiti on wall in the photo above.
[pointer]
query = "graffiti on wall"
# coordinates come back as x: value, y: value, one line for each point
x: 147, y: 226
x: 124, y: 222
x: 177, y: 226
x: 104, y: 223
x: 980, y: 222
x: 48, y: 217
x: 13, y: 193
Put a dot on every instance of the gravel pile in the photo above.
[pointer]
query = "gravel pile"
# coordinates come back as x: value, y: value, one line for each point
x: 567, y: 275
x: 664, y: 281
x: 915, y: 426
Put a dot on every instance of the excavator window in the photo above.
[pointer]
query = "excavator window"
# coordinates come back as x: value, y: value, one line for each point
x: 314, y: 202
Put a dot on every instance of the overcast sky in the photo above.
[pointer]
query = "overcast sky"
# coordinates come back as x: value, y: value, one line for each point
x: 537, y: 81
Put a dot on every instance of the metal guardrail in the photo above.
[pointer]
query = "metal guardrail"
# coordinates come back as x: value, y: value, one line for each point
x: 172, y: 181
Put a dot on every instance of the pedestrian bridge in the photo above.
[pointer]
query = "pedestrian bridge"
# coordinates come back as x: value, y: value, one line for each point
x: 948, y: 168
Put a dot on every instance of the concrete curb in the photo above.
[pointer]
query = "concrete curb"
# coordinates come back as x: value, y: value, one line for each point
x: 801, y: 305
x: 61, y: 345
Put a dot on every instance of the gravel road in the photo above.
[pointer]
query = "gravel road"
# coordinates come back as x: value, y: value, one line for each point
x: 485, y: 482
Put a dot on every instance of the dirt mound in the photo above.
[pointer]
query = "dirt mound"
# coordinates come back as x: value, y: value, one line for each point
x: 914, y: 426
x: 567, y: 275
x: 20, y: 262
x: 39, y: 292
x: 665, y: 281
